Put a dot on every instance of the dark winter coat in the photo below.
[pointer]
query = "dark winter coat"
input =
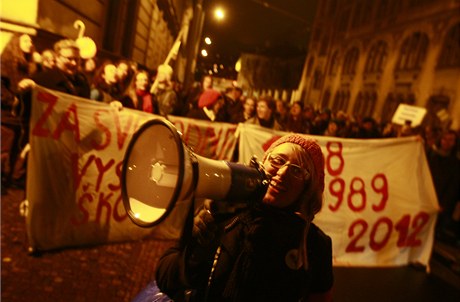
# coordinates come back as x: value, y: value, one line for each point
x: 256, y: 261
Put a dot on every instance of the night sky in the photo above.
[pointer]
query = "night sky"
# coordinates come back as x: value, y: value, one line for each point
x: 268, y: 27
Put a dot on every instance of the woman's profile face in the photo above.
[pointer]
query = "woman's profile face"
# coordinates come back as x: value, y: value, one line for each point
x: 296, y: 110
x: 249, y: 106
x: 263, y: 112
x: 122, y: 71
x: 289, y: 175
x: 25, y: 43
x: 110, y: 73
x: 142, y: 81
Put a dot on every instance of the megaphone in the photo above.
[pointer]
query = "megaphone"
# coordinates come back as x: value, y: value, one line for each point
x: 159, y: 170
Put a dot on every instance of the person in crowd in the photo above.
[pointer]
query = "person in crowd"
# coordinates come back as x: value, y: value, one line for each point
x: 430, y: 134
x: 18, y: 65
x: 406, y: 129
x: 342, y: 121
x: 19, y: 62
x: 388, y: 130
x: 66, y: 77
x: 141, y: 96
x: 48, y: 60
x: 294, y: 121
x: 309, y: 116
x: 368, y: 128
x: 265, y: 114
x: 192, y: 96
x: 249, y: 110
x: 282, y: 111
x: 445, y: 171
x: 124, y: 75
x: 163, y: 91
x: 210, y: 103
x: 321, y: 121
x: 89, y: 67
x: 270, y: 250
x: 178, y: 88
x: 105, y: 87
x: 332, y: 128
x: 233, y: 106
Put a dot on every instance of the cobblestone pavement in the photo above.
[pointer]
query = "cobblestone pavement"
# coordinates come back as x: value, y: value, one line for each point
x: 113, y: 272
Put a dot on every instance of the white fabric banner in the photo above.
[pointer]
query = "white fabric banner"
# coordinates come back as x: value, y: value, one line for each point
x: 74, y: 169
x: 380, y: 206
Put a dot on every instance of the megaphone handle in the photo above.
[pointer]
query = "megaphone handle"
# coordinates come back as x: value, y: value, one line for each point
x: 186, y: 235
x: 187, y: 230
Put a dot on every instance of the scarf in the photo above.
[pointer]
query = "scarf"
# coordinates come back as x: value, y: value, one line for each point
x: 146, y: 98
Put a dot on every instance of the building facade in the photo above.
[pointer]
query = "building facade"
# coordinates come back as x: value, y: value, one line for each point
x: 367, y: 57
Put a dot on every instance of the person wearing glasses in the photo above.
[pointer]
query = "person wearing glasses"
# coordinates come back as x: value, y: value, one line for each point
x: 66, y: 77
x: 269, y: 251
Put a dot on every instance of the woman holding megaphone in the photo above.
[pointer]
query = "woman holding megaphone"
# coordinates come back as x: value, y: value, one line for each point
x: 269, y: 251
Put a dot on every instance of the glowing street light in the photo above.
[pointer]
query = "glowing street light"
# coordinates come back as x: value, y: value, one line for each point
x: 204, y: 53
x: 219, y: 13
x: 207, y: 40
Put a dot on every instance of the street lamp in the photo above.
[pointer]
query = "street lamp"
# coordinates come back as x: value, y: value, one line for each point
x: 219, y: 13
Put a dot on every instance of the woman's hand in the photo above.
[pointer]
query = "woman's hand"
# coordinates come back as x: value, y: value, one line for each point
x: 117, y: 105
x: 204, y: 225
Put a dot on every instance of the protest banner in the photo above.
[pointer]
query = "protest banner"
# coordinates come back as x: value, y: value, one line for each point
x: 74, y: 168
x: 380, y: 206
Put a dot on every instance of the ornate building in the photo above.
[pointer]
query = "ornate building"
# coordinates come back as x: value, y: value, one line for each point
x: 367, y: 57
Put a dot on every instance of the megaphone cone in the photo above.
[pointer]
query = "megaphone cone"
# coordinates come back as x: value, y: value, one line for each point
x: 159, y: 171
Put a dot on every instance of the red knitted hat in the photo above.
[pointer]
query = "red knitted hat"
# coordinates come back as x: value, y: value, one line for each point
x: 208, y: 98
x: 311, y: 147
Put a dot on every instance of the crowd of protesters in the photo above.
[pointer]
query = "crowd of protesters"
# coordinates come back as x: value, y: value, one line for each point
x: 123, y: 84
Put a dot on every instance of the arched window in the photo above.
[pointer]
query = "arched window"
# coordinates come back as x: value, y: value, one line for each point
x: 389, y: 108
x: 382, y: 56
x: 345, y: 101
x: 365, y: 103
x: 450, y: 54
x: 324, y: 44
x: 358, y: 104
x: 341, y: 100
x: 376, y: 58
x: 413, y: 52
x: 334, y: 64
x: 371, y: 103
x: 350, y: 61
x: 326, y: 99
x: 336, y: 100
x: 317, y: 79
